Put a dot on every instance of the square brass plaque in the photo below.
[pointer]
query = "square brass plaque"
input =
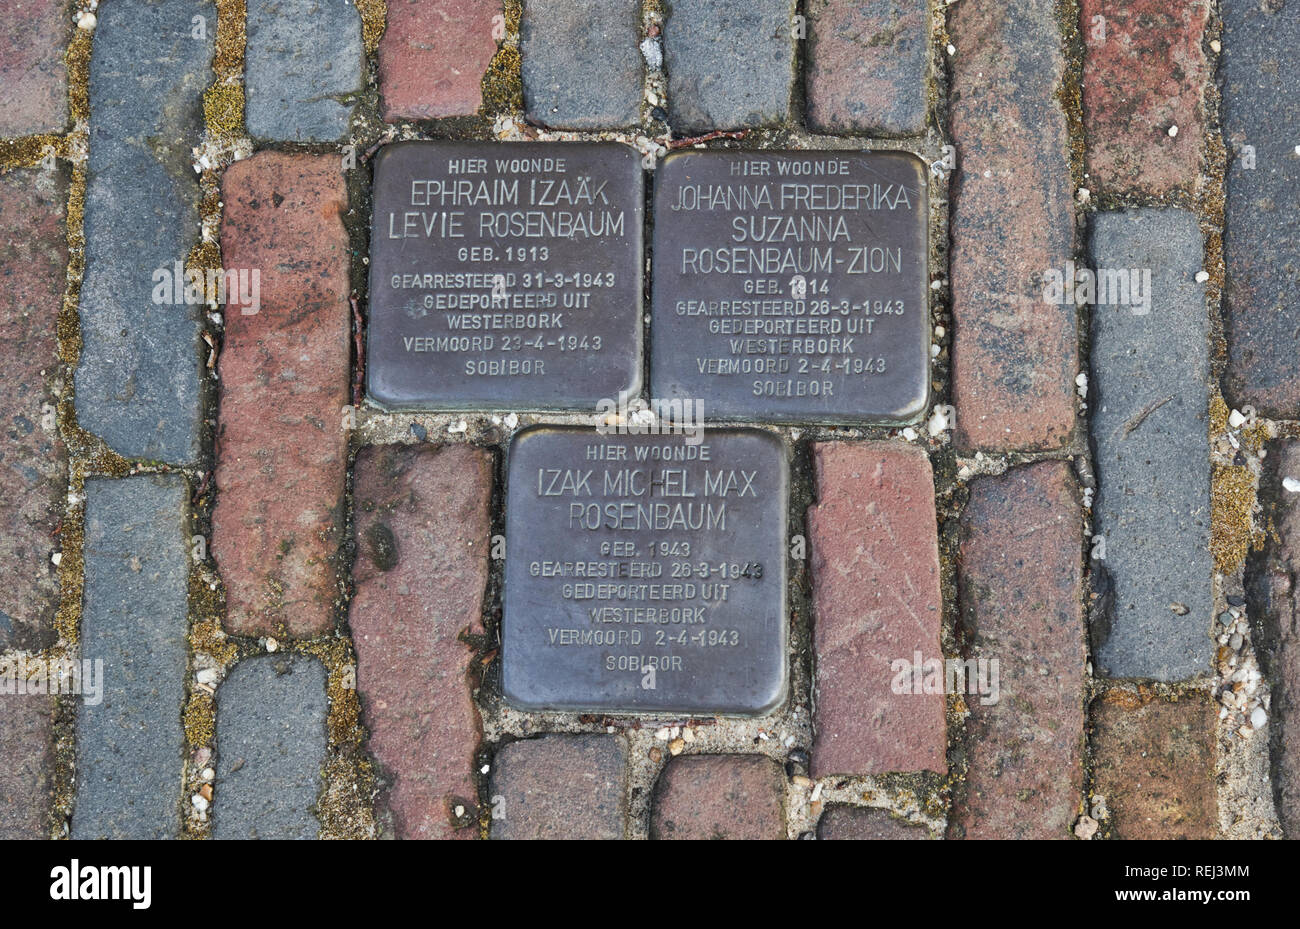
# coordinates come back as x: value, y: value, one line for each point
x: 505, y: 276
x: 645, y: 573
x: 792, y: 286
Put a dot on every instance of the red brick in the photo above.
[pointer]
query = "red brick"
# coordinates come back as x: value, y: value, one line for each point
x: 719, y: 797
x: 560, y: 787
x: 854, y: 823
x: 1015, y: 356
x: 422, y: 527
x: 868, y: 65
x: 1153, y: 762
x: 1146, y: 75
x: 876, y: 600
x: 1275, y: 607
x: 281, y: 448
x: 33, y: 262
x: 26, y: 766
x: 33, y: 78
x: 1020, y: 590
x: 433, y: 56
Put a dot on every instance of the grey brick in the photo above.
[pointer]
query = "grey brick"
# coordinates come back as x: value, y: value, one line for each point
x: 137, y: 379
x: 1262, y: 238
x: 270, y: 744
x: 1148, y: 396
x: 560, y: 787
x: 730, y: 63
x: 303, y: 58
x: 581, y: 65
x: 1272, y: 580
x: 134, y: 619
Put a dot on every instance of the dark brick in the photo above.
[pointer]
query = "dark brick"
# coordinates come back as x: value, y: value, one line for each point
x: 33, y: 79
x: 303, y: 61
x: 423, y: 523
x: 560, y: 787
x: 1015, y: 356
x: 1147, y: 74
x: 1262, y: 293
x: 868, y: 66
x: 281, y: 445
x: 1275, y: 606
x: 1153, y: 762
x: 719, y: 797
x: 581, y: 65
x: 33, y: 262
x: 854, y: 823
x: 730, y: 63
x: 876, y: 599
x: 1150, y: 430
x: 137, y: 378
x: 433, y: 56
x: 26, y: 766
x: 134, y: 619
x: 270, y: 745
x: 1020, y: 590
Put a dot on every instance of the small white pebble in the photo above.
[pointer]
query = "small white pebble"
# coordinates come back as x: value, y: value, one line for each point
x: 1216, y: 46
x: 1258, y: 718
x: 1086, y: 827
x: 1297, y: 149
x: 199, y: 803
x: 485, y: 769
x: 1202, y: 276
x: 512, y: 420
x: 1084, y: 195
x: 56, y: 557
x: 938, y: 423
x: 1173, y: 131
x: 652, y: 53
x: 86, y: 21
x: 208, y: 774
x: 1290, y: 484
x: 662, y: 734
x: 271, y: 644
x: 936, y: 284
x: 458, y: 427
x: 940, y: 332
x: 910, y: 434
x: 1236, y: 420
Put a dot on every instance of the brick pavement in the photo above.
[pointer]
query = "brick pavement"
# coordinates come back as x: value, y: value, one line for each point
x: 1012, y: 618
